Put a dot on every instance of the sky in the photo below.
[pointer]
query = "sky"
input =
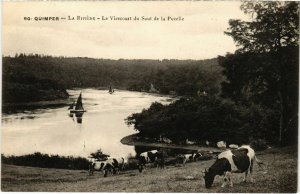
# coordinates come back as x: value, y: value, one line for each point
x: 199, y: 36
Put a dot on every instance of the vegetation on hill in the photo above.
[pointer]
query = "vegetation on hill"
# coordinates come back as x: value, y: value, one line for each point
x: 24, y: 73
x: 203, y: 118
x: 26, y: 88
x: 259, y: 96
x: 268, y: 60
x: 47, y: 161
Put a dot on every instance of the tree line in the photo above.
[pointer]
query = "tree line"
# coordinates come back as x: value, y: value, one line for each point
x: 47, y: 77
x: 259, y: 95
x: 47, y: 161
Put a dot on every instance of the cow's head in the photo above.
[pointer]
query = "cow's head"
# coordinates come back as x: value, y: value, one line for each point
x: 208, y: 177
x: 140, y: 168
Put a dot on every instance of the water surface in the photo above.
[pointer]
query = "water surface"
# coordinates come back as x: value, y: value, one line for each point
x: 52, y: 131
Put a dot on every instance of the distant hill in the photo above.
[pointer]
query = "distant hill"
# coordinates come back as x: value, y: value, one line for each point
x: 24, y: 75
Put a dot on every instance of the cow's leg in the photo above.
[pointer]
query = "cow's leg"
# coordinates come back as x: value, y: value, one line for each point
x: 245, y: 176
x: 105, y: 172
x: 140, y: 168
x: 225, y: 180
x: 114, y: 171
x: 91, y: 169
x: 251, y: 167
x: 229, y: 178
x: 184, y: 161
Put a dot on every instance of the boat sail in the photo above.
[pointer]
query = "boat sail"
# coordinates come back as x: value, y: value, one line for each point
x: 72, y: 106
x: 78, y: 106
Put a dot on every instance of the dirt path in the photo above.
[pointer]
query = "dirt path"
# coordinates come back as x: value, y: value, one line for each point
x: 281, y: 176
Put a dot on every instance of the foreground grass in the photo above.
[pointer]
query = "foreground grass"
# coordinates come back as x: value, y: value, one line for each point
x: 281, y: 176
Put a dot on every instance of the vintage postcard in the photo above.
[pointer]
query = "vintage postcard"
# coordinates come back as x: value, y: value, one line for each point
x: 150, y: 96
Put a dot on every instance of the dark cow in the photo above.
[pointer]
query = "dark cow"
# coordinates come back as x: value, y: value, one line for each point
x: 236, y: 161
x: 160, y: 159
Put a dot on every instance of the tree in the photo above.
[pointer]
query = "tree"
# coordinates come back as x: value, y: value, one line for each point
x: 265, y: 67
x: 274, y: 25
x: 99, y: 155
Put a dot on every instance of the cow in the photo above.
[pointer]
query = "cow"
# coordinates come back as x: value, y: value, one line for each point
x: 145, y: 158
x: 231, y: 161
x: 160, y: 159
x: 117, y: 164
x: 197, y: 156
x: 184, y: 158
x: 233, y: 146
x: 221, y: 144
x: 189, y: 142
x: 99, y: 166
x: 113, y: 165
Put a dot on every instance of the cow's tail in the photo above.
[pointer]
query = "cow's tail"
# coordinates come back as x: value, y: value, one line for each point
x: 261, y: 164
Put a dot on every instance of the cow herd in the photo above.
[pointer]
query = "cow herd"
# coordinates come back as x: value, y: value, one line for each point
x: 238, y: 160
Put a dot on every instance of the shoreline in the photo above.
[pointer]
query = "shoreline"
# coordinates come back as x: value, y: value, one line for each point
x: 9, y: 108
x: 132, y: 141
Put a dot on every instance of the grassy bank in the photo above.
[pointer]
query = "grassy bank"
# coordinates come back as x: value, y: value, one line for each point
x: 281, y: 176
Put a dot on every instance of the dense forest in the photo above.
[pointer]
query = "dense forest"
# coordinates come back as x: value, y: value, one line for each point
x: 258, y: 98
x: 24, y: 75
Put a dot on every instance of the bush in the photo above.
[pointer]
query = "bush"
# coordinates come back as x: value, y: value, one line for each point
x: 45, y: 161
x: 204, y: 118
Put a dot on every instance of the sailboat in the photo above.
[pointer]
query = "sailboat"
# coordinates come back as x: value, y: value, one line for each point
x: 71, y: 107
x: 78, y: 106
x: 111, y: 90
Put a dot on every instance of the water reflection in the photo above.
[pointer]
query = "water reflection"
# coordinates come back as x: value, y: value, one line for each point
x: 78, y: 117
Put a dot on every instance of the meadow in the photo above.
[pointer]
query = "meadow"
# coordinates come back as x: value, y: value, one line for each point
x: 280, y: 175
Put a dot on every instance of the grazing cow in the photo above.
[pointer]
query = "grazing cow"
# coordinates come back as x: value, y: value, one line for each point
x: 145, y: 158
x: 99, y: 166
x: 236, y: 161
x: 197, y: 156
x: 117, y: 164
x: 112, y: 165
x: 184, y: 158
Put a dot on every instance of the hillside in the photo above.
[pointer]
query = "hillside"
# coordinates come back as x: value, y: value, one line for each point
x: 281, y: 176
x: 185, y: 77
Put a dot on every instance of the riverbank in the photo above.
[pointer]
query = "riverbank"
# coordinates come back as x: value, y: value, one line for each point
x: 281, y: 176
x: 134, y: 140
x: 9, y: 108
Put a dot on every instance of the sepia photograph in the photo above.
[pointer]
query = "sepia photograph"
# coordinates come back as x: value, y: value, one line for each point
x: 150, y: 96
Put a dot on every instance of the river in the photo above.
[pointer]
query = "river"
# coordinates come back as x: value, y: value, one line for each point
x: 53, y: 131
